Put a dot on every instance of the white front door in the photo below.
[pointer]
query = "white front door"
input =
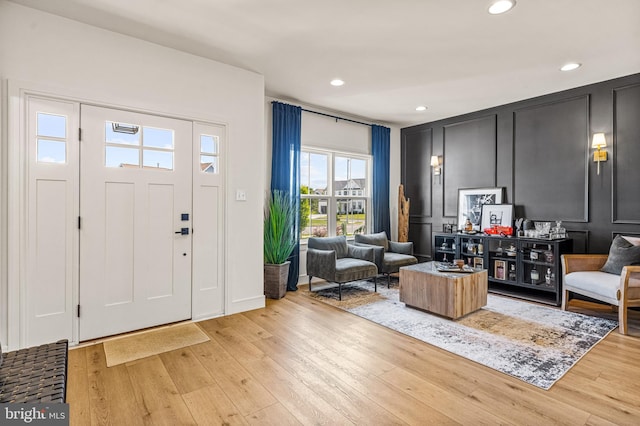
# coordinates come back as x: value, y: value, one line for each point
x: 135, y: 208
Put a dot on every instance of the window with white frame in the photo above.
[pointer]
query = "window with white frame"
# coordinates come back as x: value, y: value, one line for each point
x: 335, y: 191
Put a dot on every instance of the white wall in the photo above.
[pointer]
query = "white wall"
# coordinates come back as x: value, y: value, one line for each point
x: 62, y: 57
x: 325, y: 132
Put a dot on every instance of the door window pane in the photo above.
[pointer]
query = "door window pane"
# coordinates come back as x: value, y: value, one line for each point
x: 209, y: 164
x: 157, y: 138
x: 51, y: 125
x: 122, y: 157
x: 208, y: 144
x: 121, y: 137
x: 161, y: 160
x: 51, y: 151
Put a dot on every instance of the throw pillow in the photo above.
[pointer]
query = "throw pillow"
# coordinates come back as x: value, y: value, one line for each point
x: 621, y: 254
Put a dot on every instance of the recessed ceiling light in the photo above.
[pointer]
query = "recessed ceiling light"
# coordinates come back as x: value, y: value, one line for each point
x: 337, y: 82
x: 421, y: 108
x: 570, y: 66
x: 501, y: 6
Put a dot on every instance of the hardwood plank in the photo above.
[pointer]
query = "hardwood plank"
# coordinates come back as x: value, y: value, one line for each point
x: 462, y: 410
x: 110, y: 391
x: 209, y: 405
x: 78, y: 387
x: 185, y: 370
x: 239, y: 385
x: 350, y: 403
x: 300, y: 400
x: 155, y: 391
x: 400, y: 404
x: 246, y: 328
x: 273, y: 415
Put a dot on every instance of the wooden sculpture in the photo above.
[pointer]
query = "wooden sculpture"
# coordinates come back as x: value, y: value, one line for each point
x: 403, y: 216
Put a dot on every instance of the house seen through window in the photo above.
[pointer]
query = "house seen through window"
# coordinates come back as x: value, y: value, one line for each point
x: 335, y: 193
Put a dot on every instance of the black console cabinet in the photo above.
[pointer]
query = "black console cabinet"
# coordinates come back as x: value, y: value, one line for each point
x: 520, y: 267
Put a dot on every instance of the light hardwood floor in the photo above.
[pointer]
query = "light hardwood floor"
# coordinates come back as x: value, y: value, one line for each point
x: 299, y: 361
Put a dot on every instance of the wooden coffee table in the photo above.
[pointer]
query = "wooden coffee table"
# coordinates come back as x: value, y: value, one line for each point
x: 449, y: 294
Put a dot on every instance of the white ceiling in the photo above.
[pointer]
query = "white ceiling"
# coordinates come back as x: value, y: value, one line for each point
x: 449, y: 55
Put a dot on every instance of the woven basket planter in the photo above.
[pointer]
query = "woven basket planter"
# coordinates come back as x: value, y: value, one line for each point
x: 275, y: 280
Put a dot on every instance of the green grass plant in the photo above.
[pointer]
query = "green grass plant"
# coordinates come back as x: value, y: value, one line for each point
x: 279, y: 218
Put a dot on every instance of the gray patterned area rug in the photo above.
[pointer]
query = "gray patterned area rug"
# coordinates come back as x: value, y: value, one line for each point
x: 534, y: 343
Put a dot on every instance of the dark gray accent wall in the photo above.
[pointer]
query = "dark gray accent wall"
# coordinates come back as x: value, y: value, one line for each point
x: 539, y: 150
x: 547, y: 133
x: 470, y: 146
x: 626, y: 155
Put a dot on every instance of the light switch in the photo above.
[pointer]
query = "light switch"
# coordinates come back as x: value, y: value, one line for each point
x: 241, y: 195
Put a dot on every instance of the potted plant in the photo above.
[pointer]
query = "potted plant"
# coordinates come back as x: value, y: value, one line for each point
x: 279, y: 242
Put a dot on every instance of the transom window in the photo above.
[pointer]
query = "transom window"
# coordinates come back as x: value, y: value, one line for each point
x: 134, y: 146
x: 335, y: 193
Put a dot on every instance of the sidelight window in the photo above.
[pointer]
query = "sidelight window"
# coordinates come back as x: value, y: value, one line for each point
x: 52, y: 138
x: 209, y: 152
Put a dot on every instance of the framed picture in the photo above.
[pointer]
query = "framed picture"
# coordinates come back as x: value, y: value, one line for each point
x: 496, y: 214
x: 478, y: 262
x: 470, y: 202
x: 499, y: 270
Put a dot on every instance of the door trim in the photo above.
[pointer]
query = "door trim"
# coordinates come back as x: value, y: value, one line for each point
x: 13, y: 326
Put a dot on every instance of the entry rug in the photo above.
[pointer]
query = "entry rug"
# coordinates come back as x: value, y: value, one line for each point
x: 152, y: 342
x: 533, y: 343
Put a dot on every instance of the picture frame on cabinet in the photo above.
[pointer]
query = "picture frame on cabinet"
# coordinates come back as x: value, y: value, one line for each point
x: 470, y: 202
x: 496, y: 215
x: 478, y: 262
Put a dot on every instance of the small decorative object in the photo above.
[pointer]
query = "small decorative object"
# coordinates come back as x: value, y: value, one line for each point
x: 458, y: 262
x: 499, y: 270
x: 468, y: 226
x: 444, y: 246
x: 511, y: 251
x: 449, y: 228
x: 547, y: 276
x: 533, y: 254
x: 548, y: 254
x: 512, y: 272
x: 403, y: 215
x: 535, y: 275
x: 453, y: 246
x: 519, y: 231
x: 478, y: 262
x: 480, y: 247
x: 558, y: 232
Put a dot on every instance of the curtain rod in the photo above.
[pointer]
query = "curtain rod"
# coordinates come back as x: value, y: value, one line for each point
x: 337, y: 118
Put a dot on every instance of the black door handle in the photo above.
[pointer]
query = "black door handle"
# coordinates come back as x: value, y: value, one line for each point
x: 183, y: 231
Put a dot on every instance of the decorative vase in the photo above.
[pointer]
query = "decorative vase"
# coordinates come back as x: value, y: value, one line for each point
x: 275, y: 280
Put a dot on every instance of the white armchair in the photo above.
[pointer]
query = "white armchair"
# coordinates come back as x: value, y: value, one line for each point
x: 582, y: 274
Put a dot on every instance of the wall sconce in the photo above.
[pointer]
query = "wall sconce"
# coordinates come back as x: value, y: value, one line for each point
x: 599, y: 141
x: 435, y: 163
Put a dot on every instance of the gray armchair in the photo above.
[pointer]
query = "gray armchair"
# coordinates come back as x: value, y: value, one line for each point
x: 333, y: 260
x: 390, y: 256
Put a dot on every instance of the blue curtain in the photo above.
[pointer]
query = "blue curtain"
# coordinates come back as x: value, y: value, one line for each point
x: 380, y: 141
x: 285, y: 170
